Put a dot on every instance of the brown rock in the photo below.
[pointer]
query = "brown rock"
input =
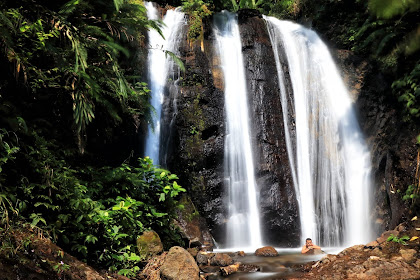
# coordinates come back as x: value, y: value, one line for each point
x: 209, y: 268
x: 211, y: 276
x: 228, y: 270
x: 241, y: 253
x: 266, y: 251
x: 385, y: 236
x: 193, y: 251
x: 192, y: 226
x: 351, y: 250
x: 249, y: 268
x: 409, y: 255
x: 149, y: 245
x: 328, y: 258
x: 204, y: 257
x: 179, y: 265
x: 220, y: 259
x: 152, y: 269
x: 195, y: 242
x: 373, y: 243
x: 388, y: 270
x: 400, y: 228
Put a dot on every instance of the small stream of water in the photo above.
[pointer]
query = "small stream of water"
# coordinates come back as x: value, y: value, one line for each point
x: 158, y: 67
x: 243, y: 225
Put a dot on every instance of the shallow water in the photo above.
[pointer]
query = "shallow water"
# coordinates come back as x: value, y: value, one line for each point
x: 275, y: 267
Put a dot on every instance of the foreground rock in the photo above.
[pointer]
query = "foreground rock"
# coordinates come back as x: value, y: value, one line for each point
x: 228, y: 270
x: 179, y: 265
x: 41, y: 259
x: 220, y: 259
x: 388, y: 260
x: 266, y: 251
x: 149, y: 245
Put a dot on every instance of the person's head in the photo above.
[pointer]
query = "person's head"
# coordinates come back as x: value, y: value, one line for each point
x: 308, y: 242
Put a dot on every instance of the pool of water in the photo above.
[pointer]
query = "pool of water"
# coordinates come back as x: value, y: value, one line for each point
x: 274, y: 267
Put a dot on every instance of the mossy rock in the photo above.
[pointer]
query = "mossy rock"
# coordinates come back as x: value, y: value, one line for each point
x: 149, y: 245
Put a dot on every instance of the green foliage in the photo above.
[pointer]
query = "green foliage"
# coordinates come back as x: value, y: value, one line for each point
x: 197, y: 10
x: 246, y: 4
x: 411, y: 193
x: 97, y: 213
x: 281, y: 9
x: 75, y: 51
x: 401, y: 240
x: 391, y: 8
x: 7, y: 150
x: 408, y: 90
x: 194, y: 115
x: 61, y: 267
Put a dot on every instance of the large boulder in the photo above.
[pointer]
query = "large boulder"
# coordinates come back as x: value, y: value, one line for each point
x: 179, y: 265
x: 266, y: 251
x: 149, y: 245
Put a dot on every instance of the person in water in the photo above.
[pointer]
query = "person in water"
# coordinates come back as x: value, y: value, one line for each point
x: 309, y: 248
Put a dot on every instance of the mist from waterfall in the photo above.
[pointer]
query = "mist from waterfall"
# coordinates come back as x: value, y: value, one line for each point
x: 159, y: 64
x: 243, y: 225
x: 329, y: 159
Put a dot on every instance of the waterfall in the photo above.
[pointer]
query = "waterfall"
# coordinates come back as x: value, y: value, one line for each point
x: 243, y: 225
x: 158, y: 67
x: 328, y: 156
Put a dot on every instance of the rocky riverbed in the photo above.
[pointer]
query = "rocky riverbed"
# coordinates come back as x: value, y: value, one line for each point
x: 26, y: 254
x: 393, y: 255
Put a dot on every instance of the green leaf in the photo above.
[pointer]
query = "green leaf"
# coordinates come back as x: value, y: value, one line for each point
x: 176, y: 59
x: 162, y: 197
x: 91, y: 239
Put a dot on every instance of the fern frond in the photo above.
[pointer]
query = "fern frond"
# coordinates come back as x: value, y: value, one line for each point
x: 176, y: 59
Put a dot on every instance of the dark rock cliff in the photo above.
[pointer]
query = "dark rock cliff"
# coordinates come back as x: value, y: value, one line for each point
x: 196, y: 153
x: 279, y: 210
x: 195, y: 116
x: 197, y: 150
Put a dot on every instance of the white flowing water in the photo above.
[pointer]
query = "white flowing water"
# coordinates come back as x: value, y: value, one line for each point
x: 243, y: 225
x: 158, y: 67
x: 328, y: 156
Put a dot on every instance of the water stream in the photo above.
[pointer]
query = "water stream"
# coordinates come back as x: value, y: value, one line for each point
x: 328, y: 156
x: 243, y: 225
x: 159, y: 64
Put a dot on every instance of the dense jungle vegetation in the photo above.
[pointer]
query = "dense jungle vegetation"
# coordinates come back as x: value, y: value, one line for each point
x: 73, y: 98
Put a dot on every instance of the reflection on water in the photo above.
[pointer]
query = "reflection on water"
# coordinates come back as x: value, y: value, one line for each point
x: 276, y: 267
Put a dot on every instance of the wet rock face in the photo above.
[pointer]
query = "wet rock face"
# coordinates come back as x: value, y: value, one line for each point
x: 196, y: 151
x: 279, y: 210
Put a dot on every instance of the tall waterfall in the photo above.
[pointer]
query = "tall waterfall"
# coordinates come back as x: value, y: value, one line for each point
x: 158, y: 67
x: 243, y: 226
x: 328, y: 156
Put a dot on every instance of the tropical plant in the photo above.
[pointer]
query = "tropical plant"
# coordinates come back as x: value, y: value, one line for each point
x: 396, y: 239
x: 197, y: 11
x: 75, y: 51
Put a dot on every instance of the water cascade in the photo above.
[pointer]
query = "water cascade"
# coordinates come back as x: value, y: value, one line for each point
x: 159, y: 64
x: 328, y: 156
x: 243, y: 226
